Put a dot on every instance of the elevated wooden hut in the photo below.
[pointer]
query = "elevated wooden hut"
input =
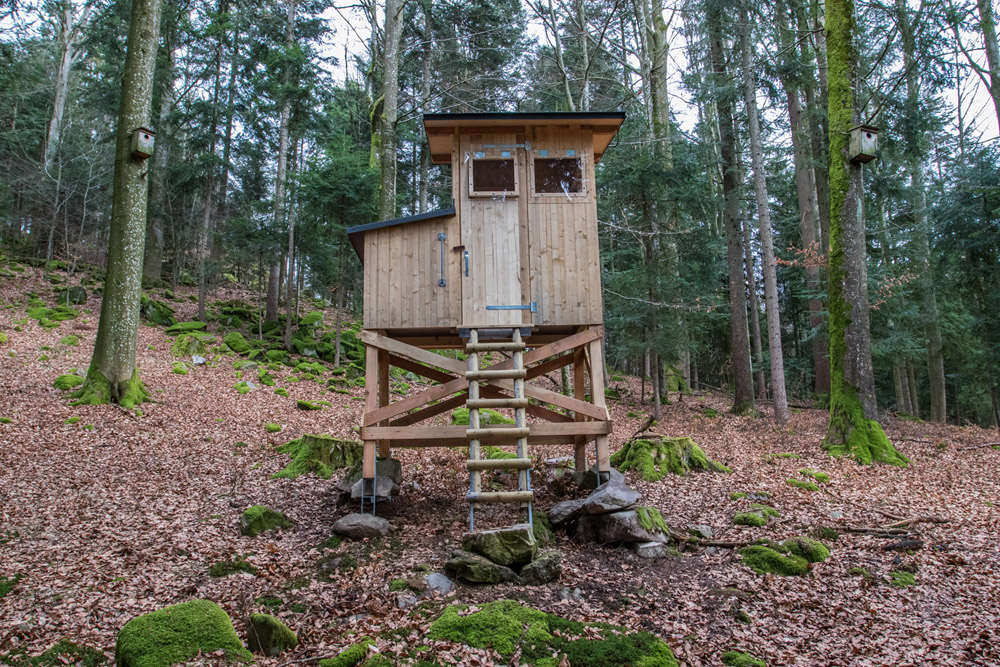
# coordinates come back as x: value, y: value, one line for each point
x: 510, y: 270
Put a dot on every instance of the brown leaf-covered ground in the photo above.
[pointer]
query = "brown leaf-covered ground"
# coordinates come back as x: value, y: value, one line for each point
x: 120, y: 514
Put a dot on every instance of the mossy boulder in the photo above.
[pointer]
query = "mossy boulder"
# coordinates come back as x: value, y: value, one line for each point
x: 350, y: 657
x: 487, y: 417
x: 189, y: 344
x: 178, y: 634
x: 508, y: 627
x: 800, y: 484
x: 808, y: 548
x: 768, y: 560
x: 180, y: 368
x: 67, y: 382
x: 235, y: 341
x: 654, y: 459
x: 156, y: 312
x: 512, y: 546
x: 302, y: 404
x: 268, y: 635
x: 476, y: 569
x: 319, y: 453
x: 741, y: 659
x: 185, y: 327
x: 71, y: 340
x: 259, y: 519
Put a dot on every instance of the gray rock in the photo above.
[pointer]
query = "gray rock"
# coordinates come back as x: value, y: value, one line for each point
x: 544, y: 569
x: 711, y: 551
x: 406, y: 601
x: 587, y: 529
x: 567, y: 593
x: 475, y: 569
x: 649, y: 549
x: 384, y: 488
x: 514, y: 545
x: 269, y: 635
x: 564, y: 512
x: 611, y: 497
x: 388, y: 468
x: 439, y: 584
x: 587, y: 480
x: 626, y: 527
x: 560, y: 462
x: 199, y: 360
x: 360, y: 526
x: 701, y: 530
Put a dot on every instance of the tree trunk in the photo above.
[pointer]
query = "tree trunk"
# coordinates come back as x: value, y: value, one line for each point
x: 780, y: 399
x: 743, y: 400
x: 922, y: 226
x: 853, y: 428
x: 282, y: 169
x: 987, y: 24
x: 113, y: 375
x: 152, y: 263
x: 273, y: 287
x: 386, y: 121
x: 290, y: 303
x: 911, y: 382
x: 69, y: 32
x: 756, y: 344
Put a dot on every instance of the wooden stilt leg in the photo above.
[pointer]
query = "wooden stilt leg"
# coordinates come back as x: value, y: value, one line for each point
x: 598, y: 399
x: 368, y: 461
x: 371, y: 404
x: 580, y: 392
x: 383, y: 397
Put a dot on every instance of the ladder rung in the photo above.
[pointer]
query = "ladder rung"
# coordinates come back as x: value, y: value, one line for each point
x: 477, y: 403
x: 498, y: 464
x: 495, y: 347
x: 501, y: 497
x: 480, y: 433
x: 509, y: 374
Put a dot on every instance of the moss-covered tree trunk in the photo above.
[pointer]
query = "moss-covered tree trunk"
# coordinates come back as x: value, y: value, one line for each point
x: 113, y: 375
x: 853, y: 429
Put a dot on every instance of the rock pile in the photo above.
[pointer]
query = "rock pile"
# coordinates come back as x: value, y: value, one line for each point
x: 504, y: 554
x: 388, y: 478
x: 612, y: 515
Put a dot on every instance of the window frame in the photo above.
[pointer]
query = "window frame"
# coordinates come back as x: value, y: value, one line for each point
x: 484, y: 155
x: 558, y: 155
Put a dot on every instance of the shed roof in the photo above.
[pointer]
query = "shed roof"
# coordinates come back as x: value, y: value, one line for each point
x: 357, y: 234
x: 441, y: 126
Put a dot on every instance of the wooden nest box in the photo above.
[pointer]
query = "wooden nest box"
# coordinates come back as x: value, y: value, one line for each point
x: 511, y: 269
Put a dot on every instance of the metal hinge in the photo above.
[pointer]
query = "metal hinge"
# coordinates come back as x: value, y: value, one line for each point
x: 533, y: 307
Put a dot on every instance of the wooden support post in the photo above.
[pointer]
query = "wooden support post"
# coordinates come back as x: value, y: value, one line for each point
x: 371, y: 404
x: 383, y: 397
x: 597, y: 396
x: 580, y: 392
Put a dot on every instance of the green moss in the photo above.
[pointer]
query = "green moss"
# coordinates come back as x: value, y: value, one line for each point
x: 749, y: 519
x: 178, y: 634
x: 506, y: 627
x: 188, y: 344
x: 259, y: 519
x: 651, y: 519
x: 242, y: 387
x: 487, y: 417
x: 88, y: 427
x: 50, y: 317
x: 635, y: 415
x: 6, y: 420
x: 281, y: 391
x: 67, y: 382
x: 820, y: 477
x: 807, y: 548
x: 902, y: 578
x: 264, y: 377
x: 318, y: 453
x: 71, y: 340
x: 764, y: 510
x: 653, y: 460
x: 860, y: 572
x: 185, y: 327
x: 7, y: 585
x: 737, y: 495
x: 269, y: 601
x: 741, y: 659
x: 399, y: 585
x: 799, y: 484
x: 268, y: 635
x: 783, y: 455
x: 766, y: 560
x: 350, y: 657
x: 272, y: 428
x: 827, y: 533
x: 491, y: 452
x: 307, y: 405
x: 98, y: 390
x: 711, y: 413
x: 71, y: 420
x: 180, y: 368
x: 224, y: 568
x: 235, y: 341
x: 3, y: 338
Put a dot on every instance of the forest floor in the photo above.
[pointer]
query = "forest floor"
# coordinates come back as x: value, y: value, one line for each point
x: 119, y: 514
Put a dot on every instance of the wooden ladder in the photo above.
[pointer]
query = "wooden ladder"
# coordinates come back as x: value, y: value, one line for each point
x: 519, y: 433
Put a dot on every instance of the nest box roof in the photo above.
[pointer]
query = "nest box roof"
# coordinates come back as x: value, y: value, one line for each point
x: 440, y: 127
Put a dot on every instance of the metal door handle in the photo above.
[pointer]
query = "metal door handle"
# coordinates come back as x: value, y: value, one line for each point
x: 442, y: 282
x: 466, y: 253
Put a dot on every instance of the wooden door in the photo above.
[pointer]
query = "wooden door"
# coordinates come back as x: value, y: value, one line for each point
x: 492, y: 171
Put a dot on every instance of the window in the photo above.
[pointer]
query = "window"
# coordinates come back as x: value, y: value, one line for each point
x: 558, y: 176
x: 489, y: 176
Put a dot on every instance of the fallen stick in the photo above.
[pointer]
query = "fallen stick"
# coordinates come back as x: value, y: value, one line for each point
x: 917, y: 519
x: 877, y: 532
x: 988, y: 444
x: 889, y: 515
x: 723, y: 544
